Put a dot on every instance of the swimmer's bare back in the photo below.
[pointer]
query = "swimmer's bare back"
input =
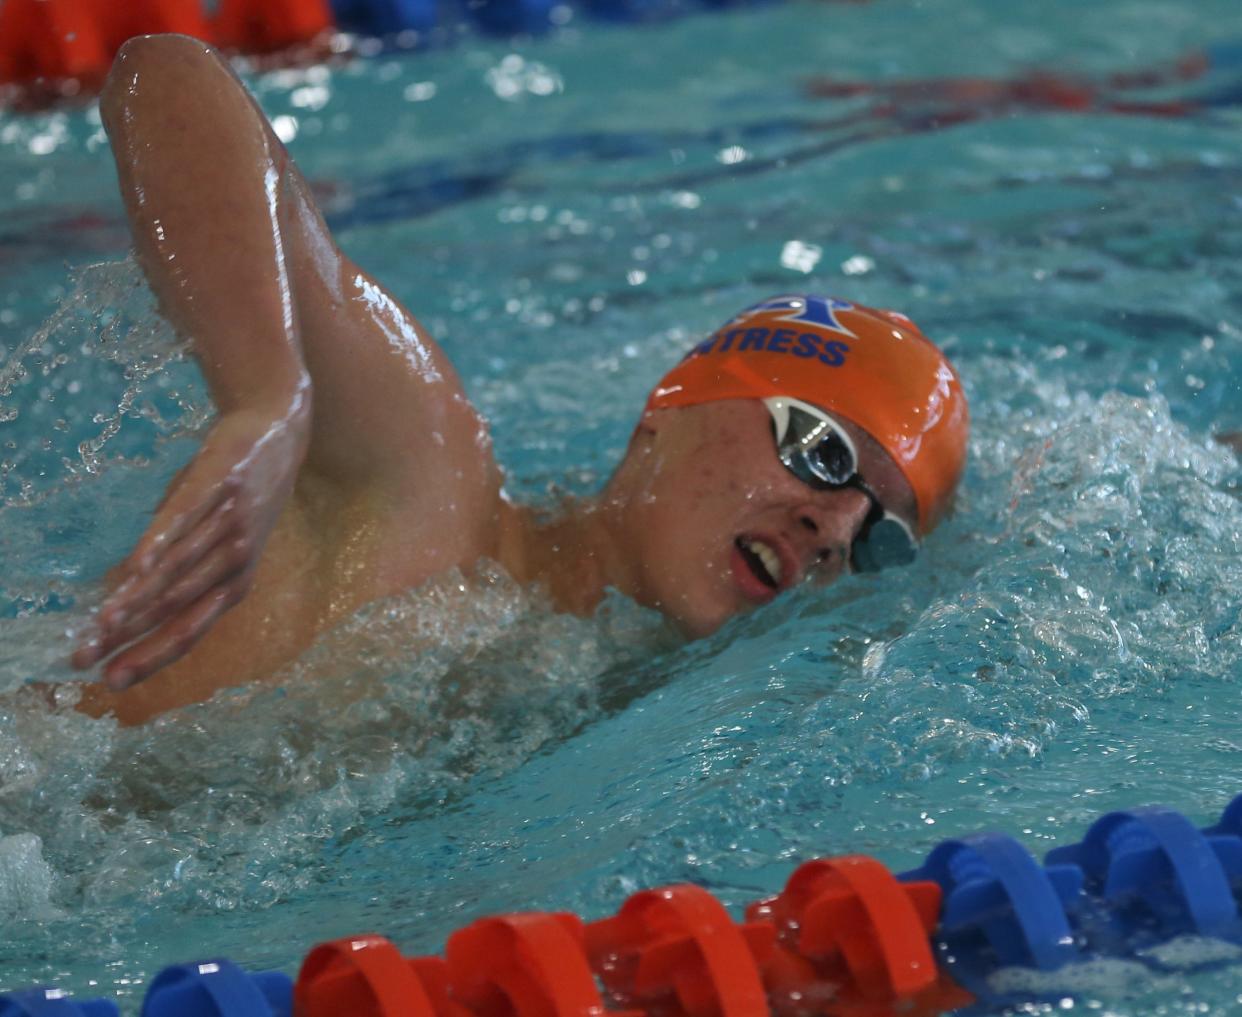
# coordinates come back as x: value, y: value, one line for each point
x: 345, y: 463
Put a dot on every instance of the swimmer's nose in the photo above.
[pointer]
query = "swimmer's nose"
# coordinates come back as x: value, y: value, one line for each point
x: 827, y: 527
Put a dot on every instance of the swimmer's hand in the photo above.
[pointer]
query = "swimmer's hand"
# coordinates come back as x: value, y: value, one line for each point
x: 198, y: 557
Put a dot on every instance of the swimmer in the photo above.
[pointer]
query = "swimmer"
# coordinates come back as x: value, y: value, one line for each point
x: 807, y: 437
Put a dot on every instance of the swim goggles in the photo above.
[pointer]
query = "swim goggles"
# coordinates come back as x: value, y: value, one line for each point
x: 818, y: 451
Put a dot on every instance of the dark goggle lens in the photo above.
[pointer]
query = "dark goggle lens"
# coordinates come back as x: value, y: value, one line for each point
x: 816, y: 452
x: 884, y: 545
x: 831, y: 460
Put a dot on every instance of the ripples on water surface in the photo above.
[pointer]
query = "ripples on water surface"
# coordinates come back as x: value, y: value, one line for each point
x: 567, y: 214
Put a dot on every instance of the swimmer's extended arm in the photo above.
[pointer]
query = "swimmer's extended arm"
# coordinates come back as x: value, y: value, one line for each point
x: 280, y: 321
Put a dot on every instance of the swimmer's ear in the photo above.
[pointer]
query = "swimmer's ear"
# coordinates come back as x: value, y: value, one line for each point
x: 648, y: 426
x: 637, y: 451
x: 651, y: 420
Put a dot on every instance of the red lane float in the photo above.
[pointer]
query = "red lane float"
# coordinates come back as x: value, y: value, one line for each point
x: 363, y: 976
x: 77, y: 39
x: 844, y: 939
x: 854, y: 940
x: 522, y: 965
x: 264, y: 26
x: 851, y: 918
x: 676, y: 951
x: 50, y: 38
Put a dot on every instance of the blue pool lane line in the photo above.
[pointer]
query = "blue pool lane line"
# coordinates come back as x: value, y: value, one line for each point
x: 1138, y: 878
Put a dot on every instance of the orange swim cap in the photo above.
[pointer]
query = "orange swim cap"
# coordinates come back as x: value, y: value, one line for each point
x: 874, y: 368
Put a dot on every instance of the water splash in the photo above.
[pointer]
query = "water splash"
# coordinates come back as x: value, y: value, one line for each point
x: 103, y: 383
x: 232, y: 804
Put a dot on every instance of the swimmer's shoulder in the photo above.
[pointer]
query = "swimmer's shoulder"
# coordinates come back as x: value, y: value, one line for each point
x: 369, y: 540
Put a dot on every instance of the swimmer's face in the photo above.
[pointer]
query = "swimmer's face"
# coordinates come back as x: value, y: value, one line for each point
x: 718, y: 526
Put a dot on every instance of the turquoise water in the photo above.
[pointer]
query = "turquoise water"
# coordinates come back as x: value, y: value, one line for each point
x: 567, y: 214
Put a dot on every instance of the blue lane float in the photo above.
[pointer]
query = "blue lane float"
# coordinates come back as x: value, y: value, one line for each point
x: 45, y: 1002
x: 1154, y: 876
x: 389, y: 18
x: 218, y: 988
x: 386, y: 17
x: 1230, y: 821
x: 1001, y: 907
x: 513, y: 17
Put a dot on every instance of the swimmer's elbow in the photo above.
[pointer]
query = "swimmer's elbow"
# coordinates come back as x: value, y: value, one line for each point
x: 149, y: 52
x: 152, y: 65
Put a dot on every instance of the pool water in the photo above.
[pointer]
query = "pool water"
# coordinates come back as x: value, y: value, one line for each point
x: 567, y: 214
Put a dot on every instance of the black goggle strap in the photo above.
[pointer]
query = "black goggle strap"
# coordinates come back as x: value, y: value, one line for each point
x: 876, y: 516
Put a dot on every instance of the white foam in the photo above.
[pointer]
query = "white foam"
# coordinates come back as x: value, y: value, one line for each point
x: 26, y: 879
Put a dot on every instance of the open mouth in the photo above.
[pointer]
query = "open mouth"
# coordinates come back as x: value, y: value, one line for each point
x: 762, y: 560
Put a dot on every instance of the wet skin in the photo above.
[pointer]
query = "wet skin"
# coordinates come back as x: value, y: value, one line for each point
x: 346, y: 464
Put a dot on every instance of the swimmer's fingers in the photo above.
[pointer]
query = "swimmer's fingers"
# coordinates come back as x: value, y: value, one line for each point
x: 232, y: 489
x: 170, y: 642
x: 231, y: 455
x: 193, y: 495
x: 206, y: 539
x: 144, y: 601
x: 173, y: 623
